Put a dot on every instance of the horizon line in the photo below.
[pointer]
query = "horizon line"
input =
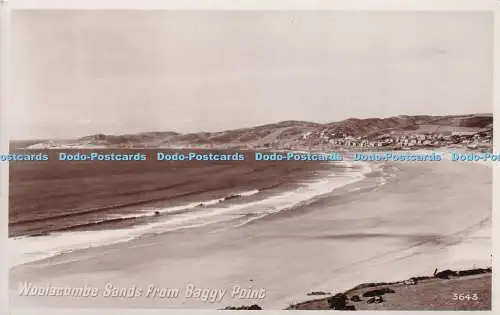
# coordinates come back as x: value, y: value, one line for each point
x: 254, y: 126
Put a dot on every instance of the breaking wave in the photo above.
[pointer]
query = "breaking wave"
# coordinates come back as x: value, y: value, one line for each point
x: 254, y: 204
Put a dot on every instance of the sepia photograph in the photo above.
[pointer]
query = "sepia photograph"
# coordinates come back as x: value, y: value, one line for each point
x: 251, y: 159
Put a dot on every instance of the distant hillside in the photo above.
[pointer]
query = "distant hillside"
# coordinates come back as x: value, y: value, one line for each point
x: 150, y: 138
x: 19, y: 144
x: 281, y: 134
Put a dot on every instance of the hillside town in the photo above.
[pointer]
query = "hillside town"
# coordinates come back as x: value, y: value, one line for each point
x: 404, y: 141
x: 395, y: 133
x: 391, y: 140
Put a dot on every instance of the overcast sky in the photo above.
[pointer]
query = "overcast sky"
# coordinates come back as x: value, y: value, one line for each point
x: 76, y: 73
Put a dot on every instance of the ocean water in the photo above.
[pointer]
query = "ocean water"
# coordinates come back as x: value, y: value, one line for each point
x: 251, y: 205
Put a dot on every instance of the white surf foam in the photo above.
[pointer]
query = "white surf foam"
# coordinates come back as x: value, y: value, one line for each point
x: 28, y: 249
x: 185, y: 207
x: 306, y: 194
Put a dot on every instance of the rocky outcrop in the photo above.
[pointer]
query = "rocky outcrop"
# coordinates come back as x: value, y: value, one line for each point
x: 446, y: 274
x: 378, y: 292
x: 339, y: 302
x: 374, y: 293
x: 318, y: 293
x: 375, y: 299
x: 253, y: 307
x: 473, y: 272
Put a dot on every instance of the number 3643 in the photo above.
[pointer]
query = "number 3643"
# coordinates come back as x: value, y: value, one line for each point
x: 465, y: 297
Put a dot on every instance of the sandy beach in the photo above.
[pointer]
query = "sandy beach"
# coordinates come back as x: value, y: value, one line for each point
x: 225, y: 158
x: 425, y: 215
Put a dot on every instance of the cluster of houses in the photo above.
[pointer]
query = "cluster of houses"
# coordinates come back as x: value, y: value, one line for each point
x: 401, y: 140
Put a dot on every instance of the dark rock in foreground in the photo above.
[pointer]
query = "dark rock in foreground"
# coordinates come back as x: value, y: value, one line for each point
x: 473, y: 272
x: 375, y: 299
x: 339, y: 302
x: 378, y: 292
x: 318, y: 293
x: 253, y: 307
x: 370, y: 285
x: 434, y: 289
x: 446, y: 274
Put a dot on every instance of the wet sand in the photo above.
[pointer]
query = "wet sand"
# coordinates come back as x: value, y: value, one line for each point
x: 431, y: 215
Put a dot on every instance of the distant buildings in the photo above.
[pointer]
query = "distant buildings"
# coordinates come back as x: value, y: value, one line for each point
x: 393, y: 139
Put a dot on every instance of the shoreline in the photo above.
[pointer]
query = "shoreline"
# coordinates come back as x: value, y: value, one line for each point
x: 381, y: 232
x: 139, y: 222
x: 42, y: 197
x: 318, y: 148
